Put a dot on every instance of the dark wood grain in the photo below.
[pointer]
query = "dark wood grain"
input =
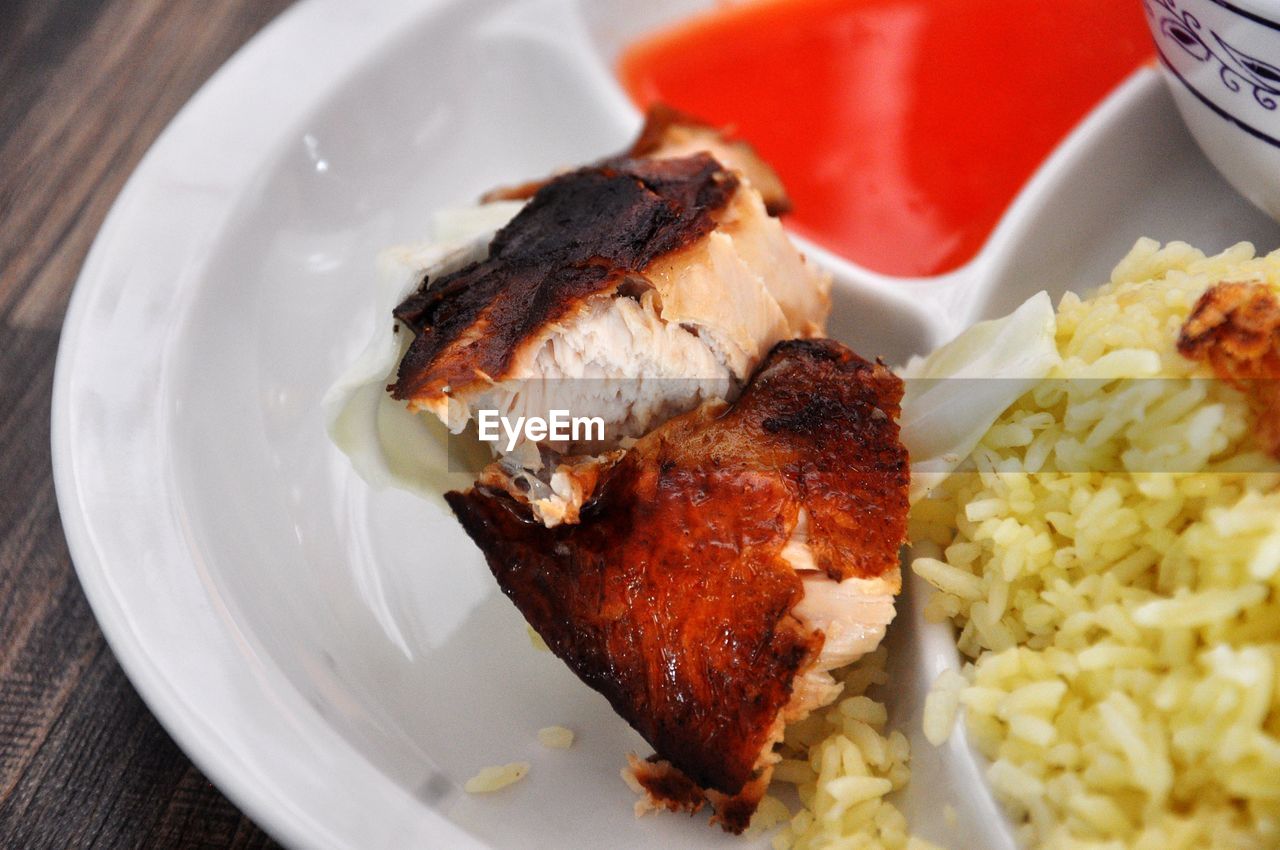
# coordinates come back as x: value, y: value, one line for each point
x: 85, y: 87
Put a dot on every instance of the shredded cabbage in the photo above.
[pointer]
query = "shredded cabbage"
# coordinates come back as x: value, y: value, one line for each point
x: 955, y: 394
x: 388, y: 445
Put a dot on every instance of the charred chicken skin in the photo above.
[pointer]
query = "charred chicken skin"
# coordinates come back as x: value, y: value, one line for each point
x: 582, y: 235
x: 702, y: 587
x: 1235, y: 328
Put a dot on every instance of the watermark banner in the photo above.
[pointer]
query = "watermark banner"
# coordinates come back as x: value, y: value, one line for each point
x: 1082, y: 425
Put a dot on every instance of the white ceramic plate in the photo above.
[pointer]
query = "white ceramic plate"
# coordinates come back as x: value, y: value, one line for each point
x: 338, y: 660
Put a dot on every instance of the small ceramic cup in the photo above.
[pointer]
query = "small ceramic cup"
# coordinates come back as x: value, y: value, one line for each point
x: 1221, y: 60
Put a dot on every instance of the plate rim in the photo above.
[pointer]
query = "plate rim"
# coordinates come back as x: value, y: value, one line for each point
x: 216, y: 751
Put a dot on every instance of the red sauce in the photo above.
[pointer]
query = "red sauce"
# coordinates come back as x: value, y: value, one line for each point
x: 901, y: 128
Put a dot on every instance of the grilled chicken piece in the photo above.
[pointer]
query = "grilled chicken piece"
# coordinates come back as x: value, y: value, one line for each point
x: 573, y: 258
x: 720, y: 566
x: 1235, y: 328
x: 632, y: 291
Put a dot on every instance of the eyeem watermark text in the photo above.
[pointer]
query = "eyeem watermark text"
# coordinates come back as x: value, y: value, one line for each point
x: 558, y: 427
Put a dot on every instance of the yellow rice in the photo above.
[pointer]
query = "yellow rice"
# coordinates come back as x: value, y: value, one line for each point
x: 495, y: 778
x: 555, y: 737
x: 1113, y: 572
x: 843, y: 762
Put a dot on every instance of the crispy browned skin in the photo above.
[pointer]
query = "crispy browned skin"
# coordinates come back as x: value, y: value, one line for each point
x: 581, y: 235
x: 1235, y: 328
x: 670, y: 596
x: 665, y: 126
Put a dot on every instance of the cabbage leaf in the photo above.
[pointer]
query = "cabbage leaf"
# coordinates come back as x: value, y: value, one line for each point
x: 954, y: 395
x: 388, y: 445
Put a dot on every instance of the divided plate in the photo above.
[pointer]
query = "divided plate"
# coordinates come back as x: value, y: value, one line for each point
x: 339, y: 660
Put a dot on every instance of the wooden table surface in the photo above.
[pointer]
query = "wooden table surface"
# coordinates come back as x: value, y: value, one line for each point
x: 85, y: 87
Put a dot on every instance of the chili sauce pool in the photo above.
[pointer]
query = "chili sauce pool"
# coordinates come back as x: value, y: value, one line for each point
x: 901, y: 128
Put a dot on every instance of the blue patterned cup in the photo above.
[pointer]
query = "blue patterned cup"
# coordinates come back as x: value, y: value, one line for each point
x: 1221, y: 59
